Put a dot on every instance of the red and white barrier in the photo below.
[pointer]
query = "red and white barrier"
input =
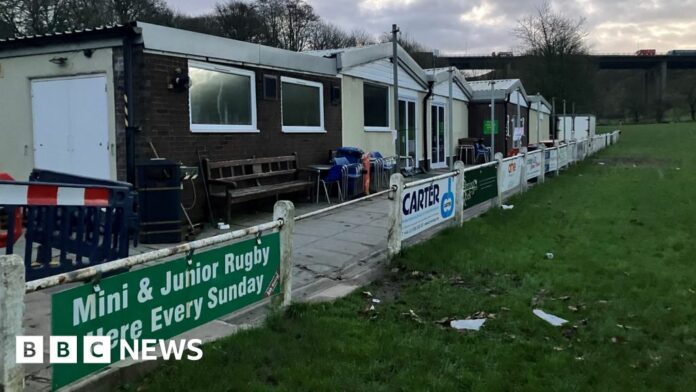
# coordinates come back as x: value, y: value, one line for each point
x: 52, y: 195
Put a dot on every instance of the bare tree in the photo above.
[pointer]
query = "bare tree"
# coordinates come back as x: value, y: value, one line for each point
x: 549, y: 33
x: 33, y: 16
x: 404, y: 40
x: 556, y: 62
x: 328, y: 36
x: 361, y: 38
x: 299, y: 21
x: 239, y: 20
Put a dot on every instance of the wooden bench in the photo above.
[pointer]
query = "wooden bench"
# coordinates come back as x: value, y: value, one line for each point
x: 254, y: 178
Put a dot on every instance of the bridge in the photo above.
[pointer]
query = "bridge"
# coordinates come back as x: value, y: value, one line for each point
x: 655, y: 67
x: 603, y: 61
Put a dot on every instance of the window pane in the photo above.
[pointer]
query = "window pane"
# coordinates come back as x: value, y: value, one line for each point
x: 376, y: 105
x: 434, y: 139
x: 412, y: 129
x: 300, y: 105
x: 402, y: 126
x: 219, y: 98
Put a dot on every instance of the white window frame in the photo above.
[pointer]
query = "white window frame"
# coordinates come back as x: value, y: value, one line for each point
x: 441, y: 102
x: 303, y: 128
x: 225, y: 128
x: 390, y: 106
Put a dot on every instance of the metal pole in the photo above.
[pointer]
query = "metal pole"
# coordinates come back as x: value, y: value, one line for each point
x: 572, y: 135
x: 449, y: 119
x: 554, y: 125
x: 518, y: 122
x: 395, y: 61
x: 492, y: 120
x: 538, y: 116
x: 564, y: 120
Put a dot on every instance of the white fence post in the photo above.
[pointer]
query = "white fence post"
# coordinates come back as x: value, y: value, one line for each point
x: 523, y: 173
x: 396, y: 184
x: 459, y: 194
x: 285, y: 210
x: 500, y: 180
x: 11, y: 316
x: 542, y: 176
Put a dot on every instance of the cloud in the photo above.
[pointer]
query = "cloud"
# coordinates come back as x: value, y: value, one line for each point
x: 483, y: 26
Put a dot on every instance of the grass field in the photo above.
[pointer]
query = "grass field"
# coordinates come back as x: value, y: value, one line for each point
x: 622, y: 233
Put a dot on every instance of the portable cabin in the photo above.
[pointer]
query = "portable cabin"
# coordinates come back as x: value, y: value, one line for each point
x: 442, y: 138
x: 539, y: 119
x: 367, y: 99
x: 95, y: 102
x: 511, y: 106
x: 585, y: 126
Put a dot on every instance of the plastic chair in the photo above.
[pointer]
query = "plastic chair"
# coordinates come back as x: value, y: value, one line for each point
x: 333, y: 176
x: 482, y: 150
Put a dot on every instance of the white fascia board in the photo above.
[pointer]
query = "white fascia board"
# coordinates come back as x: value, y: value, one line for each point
x: 182, y: 42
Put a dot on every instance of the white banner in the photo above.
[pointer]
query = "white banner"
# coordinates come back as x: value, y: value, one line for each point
x: 511, y: 173
x: 563, y: 156
x: 426, y: 205
x: 533, y: 167
x: 551, y: 159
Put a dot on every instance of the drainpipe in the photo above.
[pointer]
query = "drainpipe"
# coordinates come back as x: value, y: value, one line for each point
x: 395, y: 60
x: 130, y: 117
x: 449, y: 120
x: 425, y: 125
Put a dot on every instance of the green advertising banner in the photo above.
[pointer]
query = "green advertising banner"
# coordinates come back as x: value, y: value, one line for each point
x: 480, y: 185
x: 165, y: 300
x: 487, y: 127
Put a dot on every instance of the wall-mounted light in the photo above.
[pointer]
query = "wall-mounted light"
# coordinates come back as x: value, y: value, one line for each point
x: 59, y: 60
x: 180, y: 82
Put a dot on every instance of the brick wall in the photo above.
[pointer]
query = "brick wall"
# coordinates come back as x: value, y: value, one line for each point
x: 164, y: 118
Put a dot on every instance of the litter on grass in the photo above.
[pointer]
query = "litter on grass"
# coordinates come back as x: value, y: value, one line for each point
x: 472, y: 325
x: 507, y: 206
x: 549, y: 256
x: 549, y: 318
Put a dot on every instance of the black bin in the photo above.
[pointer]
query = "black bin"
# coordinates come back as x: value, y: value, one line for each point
x: 158, y: 182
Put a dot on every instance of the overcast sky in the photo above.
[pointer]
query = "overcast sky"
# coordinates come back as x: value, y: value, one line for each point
x: 483, y: 26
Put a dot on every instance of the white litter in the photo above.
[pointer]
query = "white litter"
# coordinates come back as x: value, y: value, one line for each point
x: 549, y: 256
x: 473, y: 325
x: 602, y: 163
x: 507, y: 206
x: 549, y: 318
x: 223, y: 226
x: 375, y: 300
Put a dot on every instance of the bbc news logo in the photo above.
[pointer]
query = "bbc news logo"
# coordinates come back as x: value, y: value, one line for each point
x: 98, y: 349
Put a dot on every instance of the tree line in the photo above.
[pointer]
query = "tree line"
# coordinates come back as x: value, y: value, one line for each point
x: 286, y: 24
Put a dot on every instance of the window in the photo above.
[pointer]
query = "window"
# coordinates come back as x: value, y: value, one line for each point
x: 222, y: 99
x: 270, y: 87
x: 376, y: 107
x: 302, y: 105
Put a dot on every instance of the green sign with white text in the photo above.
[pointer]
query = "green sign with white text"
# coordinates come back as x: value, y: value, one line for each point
x: 480, y: 185
x: 487, y: 127
x: 165, y: 300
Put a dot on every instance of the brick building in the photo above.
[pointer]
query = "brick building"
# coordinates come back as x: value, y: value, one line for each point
x: 97, y: 101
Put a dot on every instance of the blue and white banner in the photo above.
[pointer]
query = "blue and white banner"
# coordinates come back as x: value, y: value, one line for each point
x: 426, y: 205
x: 533, y: 167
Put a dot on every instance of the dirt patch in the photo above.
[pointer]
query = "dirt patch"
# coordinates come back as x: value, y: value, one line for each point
x: 636, y: 162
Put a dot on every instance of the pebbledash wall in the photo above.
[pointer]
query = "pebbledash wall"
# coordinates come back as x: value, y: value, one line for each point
x: 163, y: 116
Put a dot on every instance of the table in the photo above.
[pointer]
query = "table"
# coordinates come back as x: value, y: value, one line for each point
x: 318, y: 169
x: 464, y: 150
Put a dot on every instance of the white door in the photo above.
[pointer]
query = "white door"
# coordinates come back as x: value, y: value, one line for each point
x: 438, y: 153
x: 71, y: 131
x: 408, y: 131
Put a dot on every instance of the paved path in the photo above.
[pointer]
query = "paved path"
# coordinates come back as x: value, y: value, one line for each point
x: 333, y: 254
